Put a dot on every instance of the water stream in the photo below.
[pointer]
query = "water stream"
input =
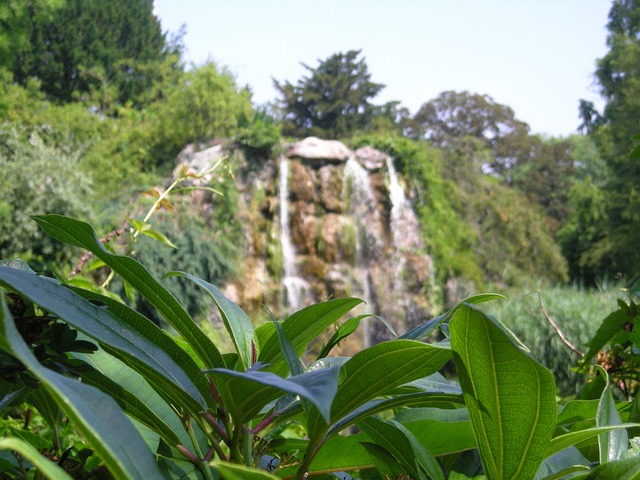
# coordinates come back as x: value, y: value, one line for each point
x: 295, y: 287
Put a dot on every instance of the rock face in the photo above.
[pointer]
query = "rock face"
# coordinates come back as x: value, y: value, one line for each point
x: 353, y: 233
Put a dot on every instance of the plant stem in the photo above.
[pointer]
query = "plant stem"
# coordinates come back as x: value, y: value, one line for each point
x: 236, y: 454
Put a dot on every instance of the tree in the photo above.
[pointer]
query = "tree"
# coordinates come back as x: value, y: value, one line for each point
x: 615, y: 247
x: 87, y: 49
x: 451, y: 116
x: 480, y: 135
x: 333, y: 101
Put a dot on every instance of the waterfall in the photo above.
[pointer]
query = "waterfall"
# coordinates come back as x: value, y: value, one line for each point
x: 358, y: 195
x: 405, y: 236
x: 295, y: 287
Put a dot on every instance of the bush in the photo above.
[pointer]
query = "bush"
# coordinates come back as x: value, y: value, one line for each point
x: 36, y: 179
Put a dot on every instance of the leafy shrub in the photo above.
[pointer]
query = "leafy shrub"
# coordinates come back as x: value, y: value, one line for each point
x: 37, y: 178
x: 208, y: 415
x: 257, y: 134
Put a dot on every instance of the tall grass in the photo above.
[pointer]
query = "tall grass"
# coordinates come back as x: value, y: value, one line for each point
x: 577, y: 312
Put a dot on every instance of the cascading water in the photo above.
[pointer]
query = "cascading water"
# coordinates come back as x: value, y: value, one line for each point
x: 358, y: 195
x: 405, y: 237
x: 295, y: 287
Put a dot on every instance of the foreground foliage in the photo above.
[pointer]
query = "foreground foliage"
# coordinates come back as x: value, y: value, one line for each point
x: 151, y: 404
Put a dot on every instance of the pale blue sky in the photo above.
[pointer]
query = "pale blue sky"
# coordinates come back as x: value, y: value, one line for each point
x: 536, y: 56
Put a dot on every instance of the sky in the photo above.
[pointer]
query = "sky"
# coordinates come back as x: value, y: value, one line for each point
x: 535, y: 56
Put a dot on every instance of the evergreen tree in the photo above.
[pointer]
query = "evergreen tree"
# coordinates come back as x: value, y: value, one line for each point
x: 108, y: 51
x: 333, y: 101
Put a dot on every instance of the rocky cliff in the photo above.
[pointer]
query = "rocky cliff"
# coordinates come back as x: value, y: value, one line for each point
x: 323, y: 221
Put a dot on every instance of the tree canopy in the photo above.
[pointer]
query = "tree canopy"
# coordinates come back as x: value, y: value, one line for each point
x: 110, y: 50
x: 333, y: 101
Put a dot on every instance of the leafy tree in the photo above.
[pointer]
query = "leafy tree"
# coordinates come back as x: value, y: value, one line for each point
x: 109, y: 48
x: 614, y: 249
x: 486, y: 137
x: 333, y: 101
x: 455, y: 115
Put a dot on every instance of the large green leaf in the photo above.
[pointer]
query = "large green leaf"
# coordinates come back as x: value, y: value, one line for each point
x: 510, y: 396
x: 136, y: 347
x: 375, y: 371
x: 96, y: 415
x: 237, y: 323
x: 81, y: 234
x: 246, y: 393
x: 301, y: 328
x: 44, y: 465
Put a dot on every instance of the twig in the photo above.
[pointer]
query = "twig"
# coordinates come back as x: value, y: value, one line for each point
x: 87, y: 256
x: 558, y: 331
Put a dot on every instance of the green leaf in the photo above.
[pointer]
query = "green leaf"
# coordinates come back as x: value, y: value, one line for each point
x: 346, y: 329
x: 237, y: 323
x: 81, y: 234
x: 613, y: 444
x: 626, y: 469
x: 96, y: 416
x: 116, y: 336
x: 578, y: 437
x: 386, y: 465
x: 117, y: 379
x: 302, y: 327
x: 246, y: 393
x: 232, y: 471
x: 376, y: 370
x: 610, y: 326
x: 175, y: 348
x: 562, y: 463
x: 404, y: 447
x: 159, y: 236
x: 421, y: 331
x: 510, y: 396
x: 44, y: 465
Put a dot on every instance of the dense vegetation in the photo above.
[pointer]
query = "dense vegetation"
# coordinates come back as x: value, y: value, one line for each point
x: 92, y: 117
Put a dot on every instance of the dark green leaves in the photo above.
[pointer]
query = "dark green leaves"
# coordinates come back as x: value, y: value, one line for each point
x: 96, y: 415
x: 137, y: 347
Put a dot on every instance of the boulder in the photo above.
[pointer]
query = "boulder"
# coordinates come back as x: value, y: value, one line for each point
x: 192, y: 160
x: 315, y: 149
x: 371, y: 159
